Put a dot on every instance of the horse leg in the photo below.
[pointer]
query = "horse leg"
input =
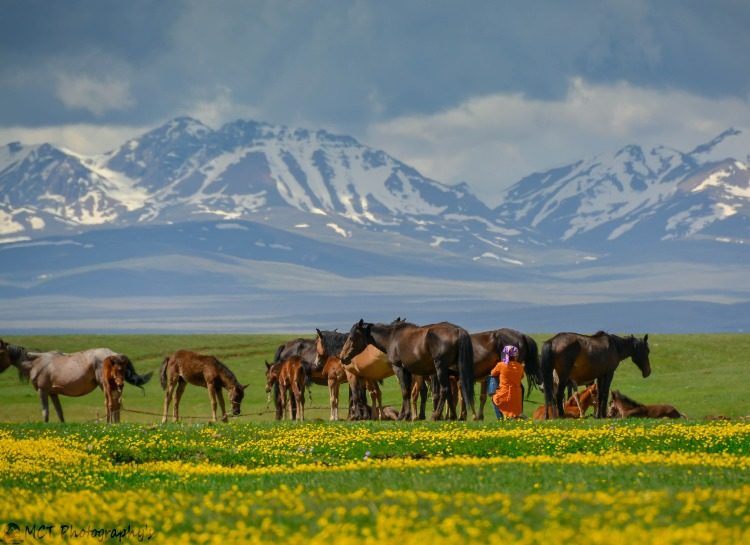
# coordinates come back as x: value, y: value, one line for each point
x: 220, y: 397
x: 117, y: 407
x: 168, y: 394
x: 461, y: 402
x: 416, y: 388
x: 445, y: 394
x: 299, y: 394
x: 404, y: 380
x: 58, y: 406
x: 333, y: 401
x: 212, y: 398
x: 107, y: 402
x: 286, y: 402
x: 179, y: 389
x: 422, y: 400
x: 377, y: 399
x: 43, y: 397
x: 482, y: 399
x: 602, y: 386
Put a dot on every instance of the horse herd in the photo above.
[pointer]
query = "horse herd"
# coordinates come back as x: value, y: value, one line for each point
x: 443, y: 355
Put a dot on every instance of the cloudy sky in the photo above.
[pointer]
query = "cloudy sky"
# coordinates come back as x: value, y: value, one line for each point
x: 482, y: 91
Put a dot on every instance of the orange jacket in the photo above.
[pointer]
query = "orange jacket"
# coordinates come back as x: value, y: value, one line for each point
x: 509, y: 396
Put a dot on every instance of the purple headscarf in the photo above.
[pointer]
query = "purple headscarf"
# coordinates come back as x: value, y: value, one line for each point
x: 509, y: 352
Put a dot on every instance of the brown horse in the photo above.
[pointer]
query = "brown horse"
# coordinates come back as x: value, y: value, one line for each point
x: 438, y: 348
x: 113, y: 381
x: 185, y: 367
x: 581, y: 359
x: 53, y: 374
x: 624, y: 407
x: 576, y: 405
x: 290, y: 377
x: 332, y: 375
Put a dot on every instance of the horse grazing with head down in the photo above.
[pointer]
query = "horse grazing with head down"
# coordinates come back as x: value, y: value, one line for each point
x: 581, y: 359
x: 53, y: 374
x: 185, y: 367
x: 290, y: 377
x: 440, y: 349
x: 113, y: 382
x: 624, y: 407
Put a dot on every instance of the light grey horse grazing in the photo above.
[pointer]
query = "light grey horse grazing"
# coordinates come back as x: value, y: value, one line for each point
x: 54, y: 374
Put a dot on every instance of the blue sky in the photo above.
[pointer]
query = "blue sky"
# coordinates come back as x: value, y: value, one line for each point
x: 479, y: 91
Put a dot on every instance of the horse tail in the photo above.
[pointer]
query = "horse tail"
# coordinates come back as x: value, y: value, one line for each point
x: 547, y: 365
x: 134, y: 378
x: 163, y: 373
x: 531, y: 363
x: 466, y: 367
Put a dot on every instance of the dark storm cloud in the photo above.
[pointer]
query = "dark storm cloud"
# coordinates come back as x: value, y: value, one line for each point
x: 346, y: 64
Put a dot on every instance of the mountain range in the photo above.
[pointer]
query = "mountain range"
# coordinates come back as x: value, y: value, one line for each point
x: 283, y: 216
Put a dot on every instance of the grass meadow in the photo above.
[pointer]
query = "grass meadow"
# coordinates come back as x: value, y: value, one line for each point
x: 254, y: 480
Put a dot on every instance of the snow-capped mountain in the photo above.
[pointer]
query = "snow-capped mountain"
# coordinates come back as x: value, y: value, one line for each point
x: 334, y: 185
x: 262, y: 227
x: 185, y: 171
x: 655, y: 195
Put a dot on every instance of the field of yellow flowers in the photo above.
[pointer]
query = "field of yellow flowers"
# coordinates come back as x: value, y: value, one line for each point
x: 372, y: 483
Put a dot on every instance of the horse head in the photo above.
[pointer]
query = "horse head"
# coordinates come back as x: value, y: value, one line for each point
x: 236, y: 394
x: 640, y: 355
x: 358, y: 339
x: 117, y: 369
x: 272, y: 375
x: 321, y: 350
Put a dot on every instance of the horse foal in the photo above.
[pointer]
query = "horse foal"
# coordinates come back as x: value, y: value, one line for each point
x: 289, y: 376
x: 113, y: 382
x: 185, y: 367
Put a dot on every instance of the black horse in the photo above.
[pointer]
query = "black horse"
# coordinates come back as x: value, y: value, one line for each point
x: 441, y: 349
x: 582, y: 359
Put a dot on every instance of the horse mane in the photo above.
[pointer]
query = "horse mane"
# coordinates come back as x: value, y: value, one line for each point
x: 333, y: 341
x: 19, y: 358
x: 226, y: 373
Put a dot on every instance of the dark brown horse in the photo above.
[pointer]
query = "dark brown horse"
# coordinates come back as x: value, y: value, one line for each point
x: 113, y: 382
x: 624, y: 407
x: 441, y: 349
x: 581, y: 359
x: 185, y: 367
x: 289, y: 376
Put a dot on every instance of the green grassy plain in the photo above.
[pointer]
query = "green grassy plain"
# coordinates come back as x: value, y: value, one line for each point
x: 701, y: 374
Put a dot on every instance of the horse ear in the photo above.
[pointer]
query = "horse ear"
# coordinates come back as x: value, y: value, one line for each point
x: 244, y: 386
x: 319, y: 333
x: 268, y: 365
x: 361, y: 322
x: 645, y: 339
